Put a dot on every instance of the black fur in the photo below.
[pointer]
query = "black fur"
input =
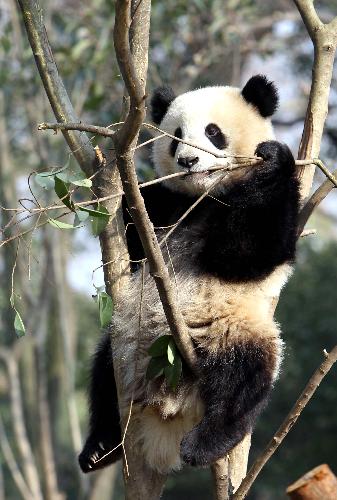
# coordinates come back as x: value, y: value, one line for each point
x: 105, y: 431
x: 174, y: 143
x: 258, y: 230
x: 164, y: 207
x: 216, y: 136
x: 262, y: 93
x: 234, y: 387
x: 246, y: 236
x: 160, y: 101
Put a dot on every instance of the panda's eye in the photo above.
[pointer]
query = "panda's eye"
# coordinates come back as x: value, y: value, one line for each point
x: 214, y: 134
x: 174, y: 143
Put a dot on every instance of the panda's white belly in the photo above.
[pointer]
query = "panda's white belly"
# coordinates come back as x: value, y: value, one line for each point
x: 210, y: 307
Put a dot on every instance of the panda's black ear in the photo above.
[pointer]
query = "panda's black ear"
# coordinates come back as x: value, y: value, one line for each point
x: 262, y: 93
x: 160, y: 101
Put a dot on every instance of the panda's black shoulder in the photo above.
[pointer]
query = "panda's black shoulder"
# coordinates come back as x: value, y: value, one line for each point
x: 163, y: 206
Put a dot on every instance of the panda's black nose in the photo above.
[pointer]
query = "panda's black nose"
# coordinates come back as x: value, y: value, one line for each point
x: 187, y: 161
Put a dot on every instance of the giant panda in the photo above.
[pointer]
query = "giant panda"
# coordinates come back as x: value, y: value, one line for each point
x: 227, y: 259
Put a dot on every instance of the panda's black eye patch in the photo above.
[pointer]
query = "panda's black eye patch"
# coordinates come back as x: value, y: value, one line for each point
x: 214, y: 134
x: 174, y: 143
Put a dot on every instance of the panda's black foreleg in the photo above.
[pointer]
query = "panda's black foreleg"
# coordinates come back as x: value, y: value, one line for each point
x: 269, y: 182
x: 234, y: 388
x: 104, y: 430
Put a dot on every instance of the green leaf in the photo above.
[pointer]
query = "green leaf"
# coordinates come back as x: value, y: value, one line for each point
x: 83, y: 182
x: 160, y: 346
x: 173, y: 372
x: 61, y: 189
x: 105, y: 306
x: 100, y: 219
x: 45, y: 181
x: 156, y: 367
x: 18, y: 325
x: 63, y: 176
x: 61, y: 225
x: 171, y: 351
x: 79, y: 179
x: 102, y: 212
x: 80, y: 217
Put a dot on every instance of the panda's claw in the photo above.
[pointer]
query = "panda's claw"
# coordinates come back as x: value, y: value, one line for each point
x: 98, y: 454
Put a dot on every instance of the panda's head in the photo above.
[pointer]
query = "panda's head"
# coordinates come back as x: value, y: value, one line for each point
x: 225, y: 120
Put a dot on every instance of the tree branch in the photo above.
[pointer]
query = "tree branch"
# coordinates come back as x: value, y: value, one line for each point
x: 84, y: 127
x: 124, y: 141
x: 309, y: 15
x: 324, y: 38
x: 316, y: 198
x: 246, y: 160
x: 64, y: 112
x: 288, y: 423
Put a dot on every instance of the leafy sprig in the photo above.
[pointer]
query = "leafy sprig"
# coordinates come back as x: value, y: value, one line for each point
x: 61, y: 181
x: 165, y: 360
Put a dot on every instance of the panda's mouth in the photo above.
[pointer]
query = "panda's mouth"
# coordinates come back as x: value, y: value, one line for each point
x: 196, y: 177
x: 197, y: 174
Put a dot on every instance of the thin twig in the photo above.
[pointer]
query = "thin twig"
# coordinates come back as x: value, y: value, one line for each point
x: 83, y: 127
x: 106, y: 132
x: 192, y: 207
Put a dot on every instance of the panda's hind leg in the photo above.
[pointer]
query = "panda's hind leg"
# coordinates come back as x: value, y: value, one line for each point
x: 103, y: 445
x: 234, y: 387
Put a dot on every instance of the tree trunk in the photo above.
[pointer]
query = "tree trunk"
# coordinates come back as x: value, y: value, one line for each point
x: 318, y: 484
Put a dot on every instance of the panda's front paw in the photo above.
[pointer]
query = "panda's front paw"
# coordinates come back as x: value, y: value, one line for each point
x: 275, y: 154
x: 192, y: 450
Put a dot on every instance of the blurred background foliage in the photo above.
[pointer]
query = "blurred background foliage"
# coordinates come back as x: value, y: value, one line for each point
x: 43, y: 376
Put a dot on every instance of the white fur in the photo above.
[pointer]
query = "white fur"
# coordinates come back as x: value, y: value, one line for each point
x: 239, y: 121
